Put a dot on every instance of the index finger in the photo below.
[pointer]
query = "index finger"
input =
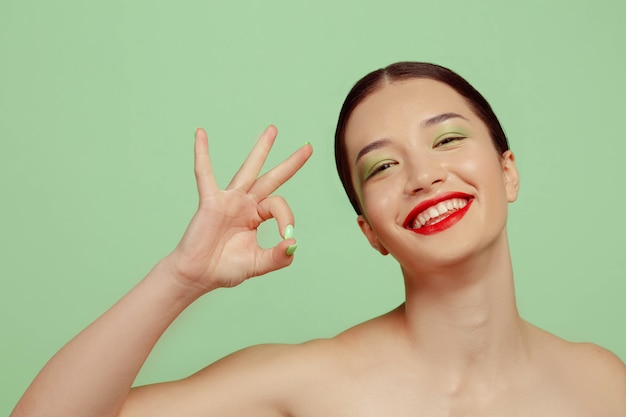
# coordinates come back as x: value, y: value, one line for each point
x: 202, y: 164
x: 277, y: 176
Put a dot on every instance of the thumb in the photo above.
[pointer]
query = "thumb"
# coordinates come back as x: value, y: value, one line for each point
x: 276, y: 258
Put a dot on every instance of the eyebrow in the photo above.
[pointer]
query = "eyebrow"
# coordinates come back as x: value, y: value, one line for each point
x: 432, y: 121
x: 440, y: 118
x: 377, y: 144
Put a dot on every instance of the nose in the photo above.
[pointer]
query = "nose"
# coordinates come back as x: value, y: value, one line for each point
x: 425, y: 173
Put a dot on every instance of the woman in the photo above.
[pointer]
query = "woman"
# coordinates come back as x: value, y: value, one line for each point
x: 426, y: 166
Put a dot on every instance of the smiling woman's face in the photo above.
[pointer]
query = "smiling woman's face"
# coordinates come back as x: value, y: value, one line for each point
x: 426, y: 172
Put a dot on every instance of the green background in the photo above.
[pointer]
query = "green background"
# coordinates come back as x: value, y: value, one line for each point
x: 99, y: 101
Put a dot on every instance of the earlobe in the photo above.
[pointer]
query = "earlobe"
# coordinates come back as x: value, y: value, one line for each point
x: 511, y: 176
x: 370, y: 235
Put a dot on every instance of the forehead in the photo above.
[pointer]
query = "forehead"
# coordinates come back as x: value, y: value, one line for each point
x: 398, y: 108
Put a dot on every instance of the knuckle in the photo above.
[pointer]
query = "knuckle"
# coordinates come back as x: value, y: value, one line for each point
x: 280, y: 199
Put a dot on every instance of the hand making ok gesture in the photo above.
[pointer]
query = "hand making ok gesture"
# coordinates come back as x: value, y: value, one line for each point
x: 219, y: 247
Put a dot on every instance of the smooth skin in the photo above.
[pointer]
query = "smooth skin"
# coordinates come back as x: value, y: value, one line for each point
x: 93, y: 373
x: 457, y: 347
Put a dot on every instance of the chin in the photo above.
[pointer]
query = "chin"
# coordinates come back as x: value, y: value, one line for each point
x: 456, y: 258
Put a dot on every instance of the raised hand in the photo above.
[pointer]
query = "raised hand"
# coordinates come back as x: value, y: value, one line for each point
x: 219, y: 248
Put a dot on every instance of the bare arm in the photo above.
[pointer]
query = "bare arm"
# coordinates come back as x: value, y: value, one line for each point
x: 259, y: 381
x: 93, y: 373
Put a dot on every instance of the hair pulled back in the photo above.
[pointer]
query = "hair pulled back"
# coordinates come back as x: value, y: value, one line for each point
x: 401, y: 71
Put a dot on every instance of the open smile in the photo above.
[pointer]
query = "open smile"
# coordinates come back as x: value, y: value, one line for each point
x: 438, y: 214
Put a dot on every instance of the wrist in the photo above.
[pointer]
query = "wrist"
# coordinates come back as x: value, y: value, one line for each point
x: 182, y: 282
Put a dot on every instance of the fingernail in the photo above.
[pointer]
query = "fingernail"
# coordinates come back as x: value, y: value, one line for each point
x: 306, y: 143
x: 291, y: 249
x: 288, y: 232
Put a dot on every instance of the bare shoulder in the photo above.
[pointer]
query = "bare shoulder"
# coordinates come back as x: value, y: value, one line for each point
x: 590, y: 373
x: 271, y: 380
x: 259, y: 380
x: 599, y: 364
x: 602, y: 366
x: 604, y: 375
x: 600, y: 358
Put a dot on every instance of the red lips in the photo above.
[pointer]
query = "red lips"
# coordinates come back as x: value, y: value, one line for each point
x: 451, y: 218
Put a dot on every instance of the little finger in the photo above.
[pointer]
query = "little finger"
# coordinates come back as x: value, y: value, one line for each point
x: 277, y: 176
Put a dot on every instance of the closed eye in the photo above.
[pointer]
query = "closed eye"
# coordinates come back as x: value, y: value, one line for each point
x: 380, y: 167
x: 448, y: 140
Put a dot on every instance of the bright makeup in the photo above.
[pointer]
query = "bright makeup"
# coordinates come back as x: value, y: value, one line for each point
x: 438, y: 214
x: 372, y: 165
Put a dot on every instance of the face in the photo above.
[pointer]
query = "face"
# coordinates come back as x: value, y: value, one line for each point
x: 432, y: 186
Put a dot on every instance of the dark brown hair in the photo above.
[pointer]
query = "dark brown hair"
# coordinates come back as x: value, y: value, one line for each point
x: 404, y: 71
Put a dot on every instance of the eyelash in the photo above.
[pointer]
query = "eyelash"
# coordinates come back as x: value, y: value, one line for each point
x: 388, y: 164
x: 381, y: 167
x: 448, y: 140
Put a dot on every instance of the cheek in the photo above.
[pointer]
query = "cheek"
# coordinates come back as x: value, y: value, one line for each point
x: 493, y: 184
x: 381, y: 205
x: 484, y: 169
x: 470, y: 169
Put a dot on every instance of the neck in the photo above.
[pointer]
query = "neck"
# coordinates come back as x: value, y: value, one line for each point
x: 463, y: 318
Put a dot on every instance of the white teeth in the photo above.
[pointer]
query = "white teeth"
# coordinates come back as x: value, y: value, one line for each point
x: 438, y: 210
x: 433, y: 212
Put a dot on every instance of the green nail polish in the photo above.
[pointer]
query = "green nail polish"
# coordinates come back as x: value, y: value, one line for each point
x: 291, y: 249
x: 306, y: 143
x: 288, y: 232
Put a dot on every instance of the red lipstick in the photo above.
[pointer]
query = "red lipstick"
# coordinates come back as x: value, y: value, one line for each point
x: 449, y: 219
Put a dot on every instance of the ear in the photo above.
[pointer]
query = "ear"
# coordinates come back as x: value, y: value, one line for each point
x: 511, y: 176
x: 370, y: 235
